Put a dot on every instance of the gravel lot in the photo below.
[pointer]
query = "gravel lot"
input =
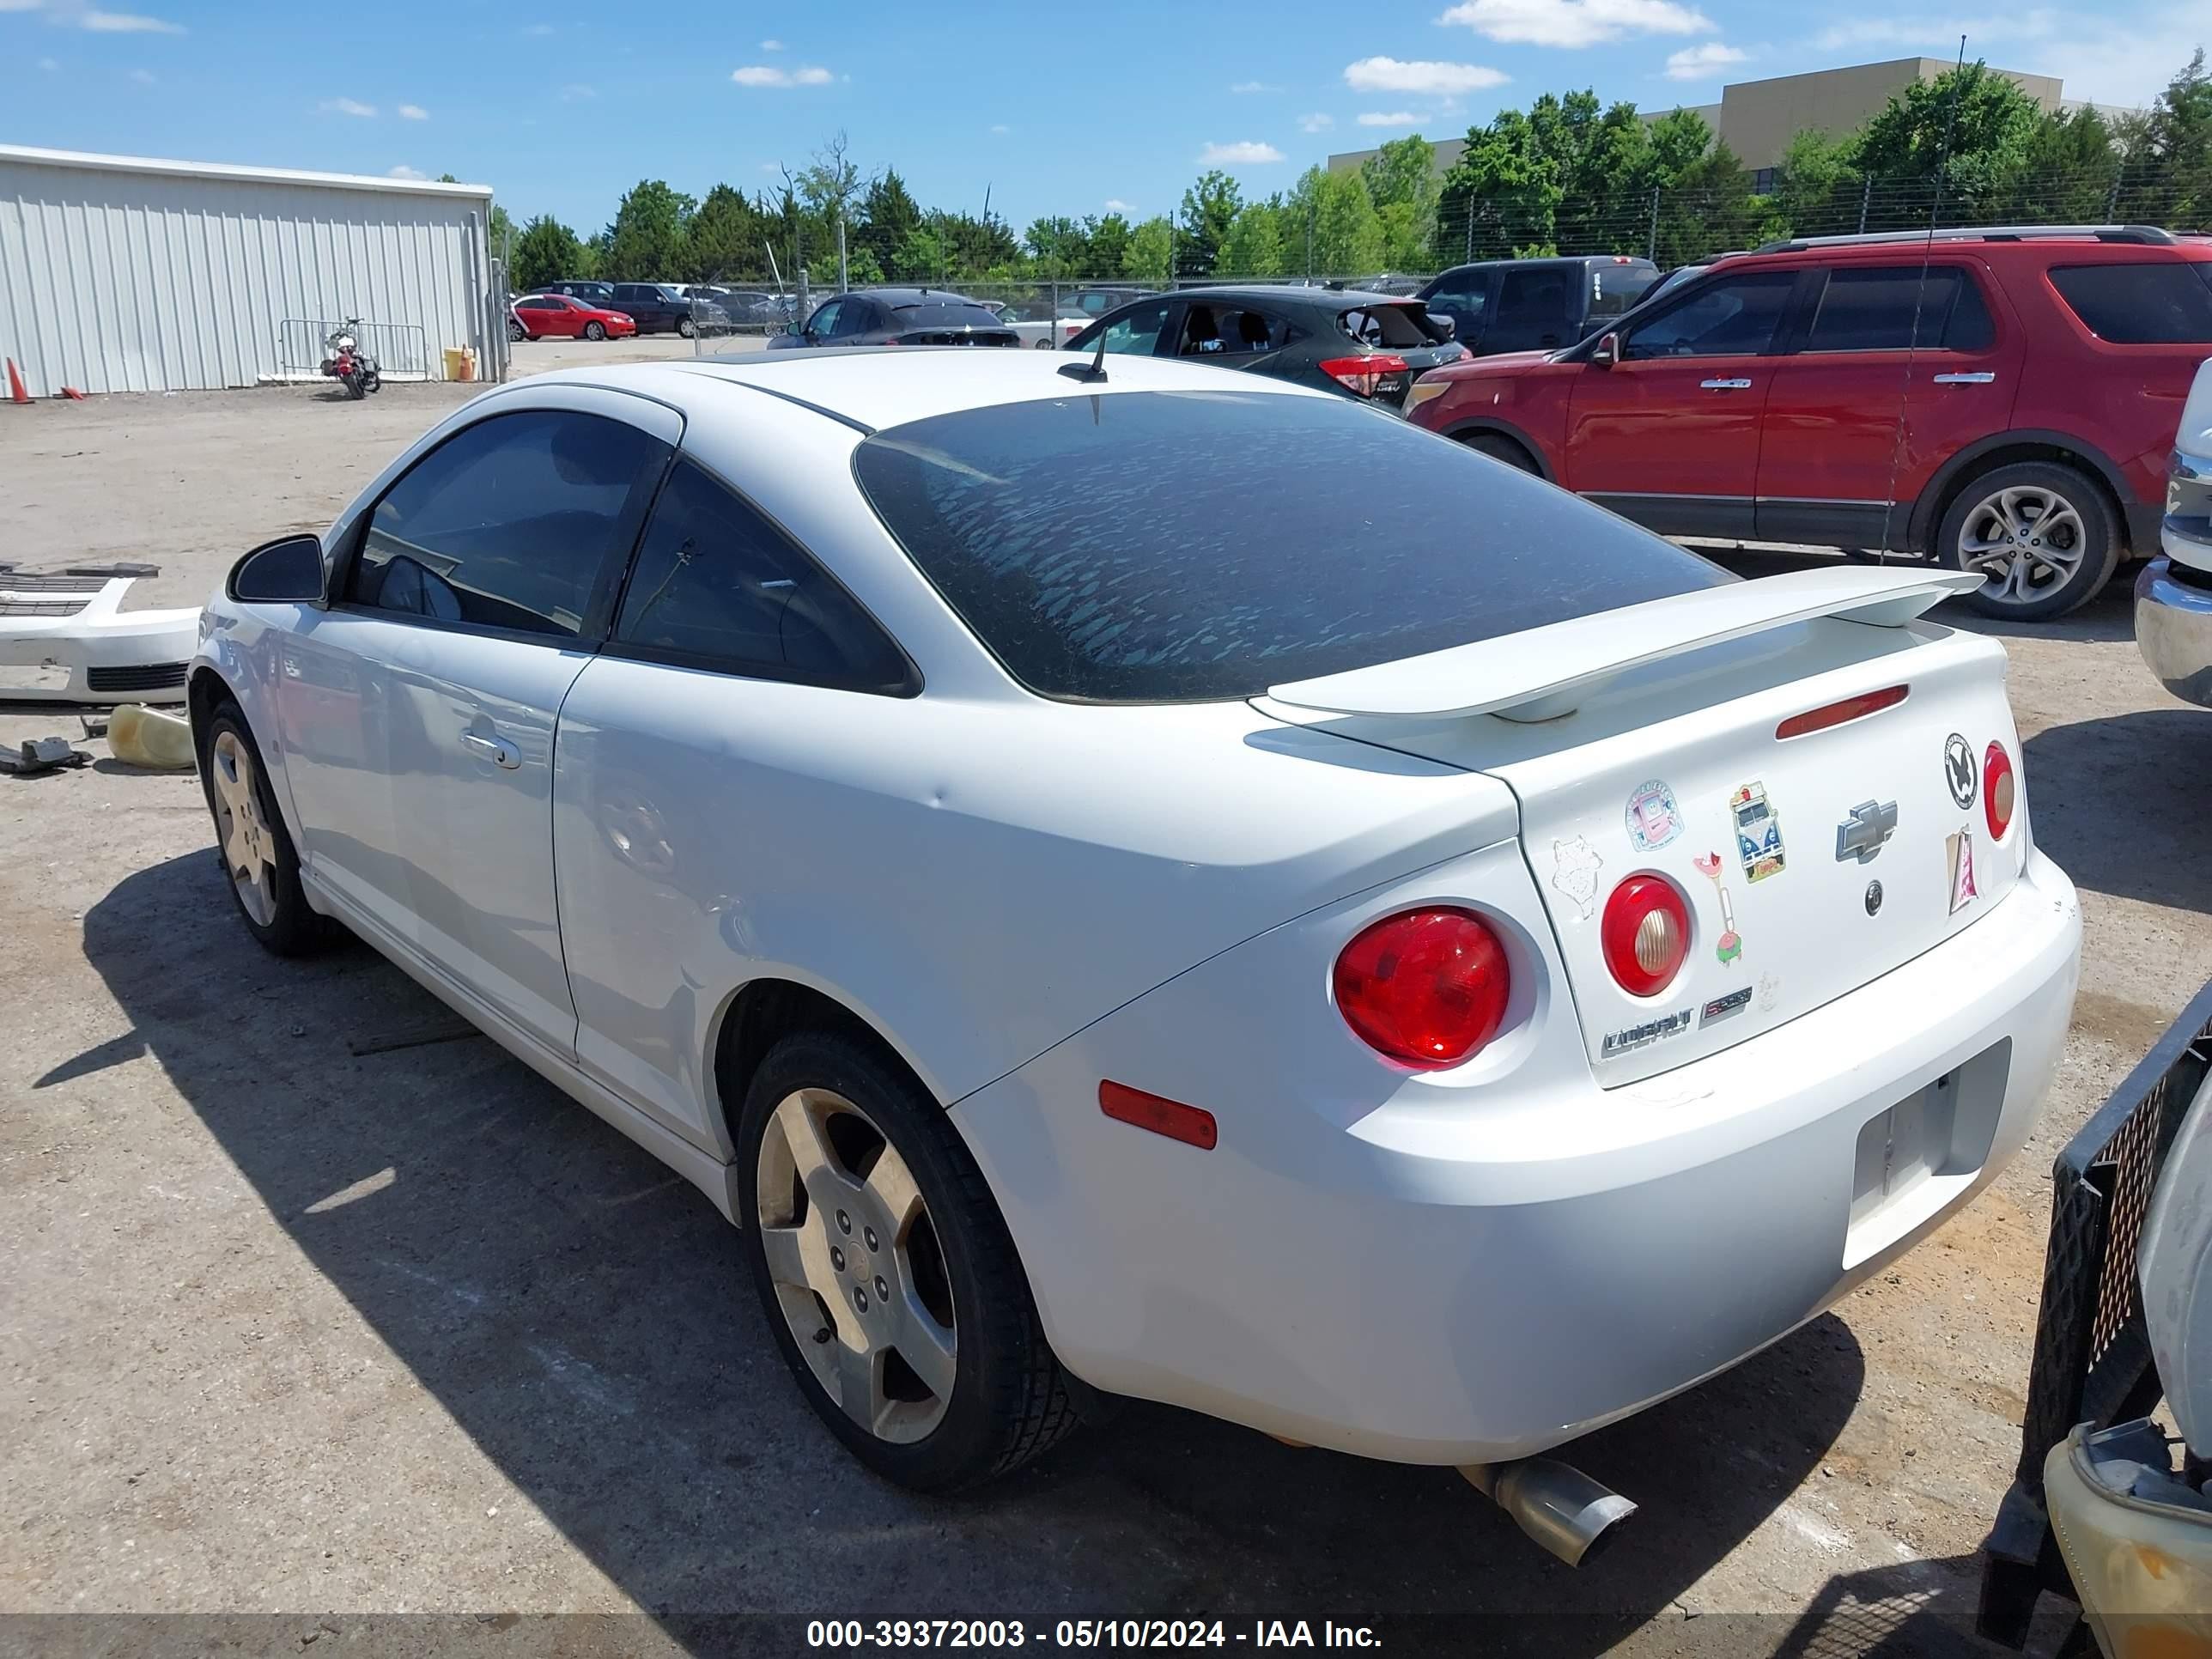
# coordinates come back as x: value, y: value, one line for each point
x: 288, y: 1331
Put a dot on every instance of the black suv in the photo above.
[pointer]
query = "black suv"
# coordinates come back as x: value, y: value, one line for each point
x: 654, y: 306
x: 1536, y: 305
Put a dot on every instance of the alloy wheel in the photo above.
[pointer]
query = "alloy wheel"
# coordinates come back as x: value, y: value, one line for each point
x: 249, y: 851
x: 856, y: 1264
x: 2028, y: 542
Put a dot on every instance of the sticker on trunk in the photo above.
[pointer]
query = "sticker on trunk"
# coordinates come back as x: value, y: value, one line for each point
x: 1729, y: 945
x: 1720, y: 1007
x: 1958, y: 853
x: 1653, y: 818
x: 1757, y: 832
x: 1959, y: 771
x: 1574, y: 865
x: 1644, y: 1036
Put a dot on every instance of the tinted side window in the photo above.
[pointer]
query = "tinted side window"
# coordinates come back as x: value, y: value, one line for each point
x: 1135, y: 335
x: 1874, y: 310
x: 1734, y: 317
x: 508, y: 524
x: 2164, y: 304
x: 715, y: 581
x: 1533, y: 297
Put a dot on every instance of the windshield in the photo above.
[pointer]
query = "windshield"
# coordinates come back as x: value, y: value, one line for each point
x: 1115, y: 548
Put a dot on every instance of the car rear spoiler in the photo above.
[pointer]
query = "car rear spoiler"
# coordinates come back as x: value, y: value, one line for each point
x: 1546, y: 671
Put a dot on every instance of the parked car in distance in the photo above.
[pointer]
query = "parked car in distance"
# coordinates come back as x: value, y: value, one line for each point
x: 1072, y: 906
x: 898, y: 316
x: 1097, y: 301
x: 660, y: 309
x: 1387, y: 282
x: 1041, y: 331
x: 2174, y: 595
x: 534, y: 316
x: 601, y: 295
x: 1368, y: 346
x: 2001, y: 401
x: 1530, y: 305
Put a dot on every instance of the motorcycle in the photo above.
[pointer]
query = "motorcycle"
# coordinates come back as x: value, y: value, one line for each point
x: 347, y: 363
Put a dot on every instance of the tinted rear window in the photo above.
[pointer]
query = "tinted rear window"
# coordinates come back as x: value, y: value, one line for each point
x: 934, y: 315
x: 1877, y: 309
x: 1151, y: 547
x: 2169, y: 303
x: 1620, y: 286
x: 1402, y: 327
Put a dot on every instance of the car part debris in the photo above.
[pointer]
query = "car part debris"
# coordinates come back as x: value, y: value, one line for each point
x: 419, y: 1035
x: 153, y: 738
x: 39, y: 754
x: 83, y: 648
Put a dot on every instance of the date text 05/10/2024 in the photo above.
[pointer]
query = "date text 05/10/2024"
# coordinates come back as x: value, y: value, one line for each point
x: 1002, y: 1633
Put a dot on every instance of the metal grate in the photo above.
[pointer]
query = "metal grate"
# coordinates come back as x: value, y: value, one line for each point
x: 40, y: 607
x: 18, y: 581
x: 136, y: 676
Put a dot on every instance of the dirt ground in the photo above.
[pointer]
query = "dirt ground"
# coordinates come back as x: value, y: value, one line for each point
x: 291, y: 1332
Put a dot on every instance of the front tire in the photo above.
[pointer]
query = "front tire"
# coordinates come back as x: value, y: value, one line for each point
x: 252, y: 842
x: 2043, y: 535
x: 886, y: 1274
x: 595, y: 331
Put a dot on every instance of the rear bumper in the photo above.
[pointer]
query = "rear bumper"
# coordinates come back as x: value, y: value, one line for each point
x: 1453, y: 1289
x: 2173, y: 631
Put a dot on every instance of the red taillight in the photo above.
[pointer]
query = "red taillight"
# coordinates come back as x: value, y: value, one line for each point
x: 1999, y: 790
x: 1427, y: 987
x: 1362, y: 375
x: 1838, y: 714
x: 1645, y: 932
x: 1158, y: 1114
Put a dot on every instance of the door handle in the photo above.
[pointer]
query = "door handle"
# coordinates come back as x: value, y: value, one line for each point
x: 1725, y: 385
x: 498, y: 750
x: 1980, y: 377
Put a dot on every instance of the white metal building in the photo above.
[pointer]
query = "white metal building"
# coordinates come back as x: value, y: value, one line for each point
x: 120, y: 274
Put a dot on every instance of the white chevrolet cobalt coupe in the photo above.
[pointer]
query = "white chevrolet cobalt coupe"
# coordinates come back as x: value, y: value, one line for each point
x: 1152, y: 882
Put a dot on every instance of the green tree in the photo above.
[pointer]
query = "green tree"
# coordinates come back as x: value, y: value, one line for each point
x: 727, y: 238
x: 1209, y: 208
x: 2069, y: 172
x: 2168, y: 175
x: 1060, y: 248
x: 1254, y: 246
x: 1401, y: 182
x: 1989, y: 122
x: 1503, y: 196
x: 646, y: 243
x: 1332, y: 213
x: 546, y: 252
x: 1109, y: 240
x: 1817, y: 190
x: 920, y: 256
x: 1708, y: 209
x: 887, y: 213
x: 1150, y: 252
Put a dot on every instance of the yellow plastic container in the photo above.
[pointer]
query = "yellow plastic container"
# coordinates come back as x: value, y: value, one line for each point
x: 460, y: 362
x: 154, y: 738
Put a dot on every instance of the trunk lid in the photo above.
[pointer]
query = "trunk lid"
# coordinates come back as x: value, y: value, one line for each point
x: 1776, y: 845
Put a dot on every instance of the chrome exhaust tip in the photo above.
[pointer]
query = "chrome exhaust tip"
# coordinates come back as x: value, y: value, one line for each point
x: 1555, y: 1504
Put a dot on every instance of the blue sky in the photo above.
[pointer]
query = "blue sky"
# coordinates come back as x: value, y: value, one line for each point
x: 562, y: 105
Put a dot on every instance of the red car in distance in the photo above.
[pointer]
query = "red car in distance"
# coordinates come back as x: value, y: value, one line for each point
x: 534, y: 316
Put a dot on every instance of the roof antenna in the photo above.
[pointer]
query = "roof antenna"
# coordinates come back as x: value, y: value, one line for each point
x: 1919, y: 295
x: 1094, y: 372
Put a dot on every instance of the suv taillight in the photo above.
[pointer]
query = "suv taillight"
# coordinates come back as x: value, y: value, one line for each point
x: 1645, y: 934
x: 1362, y: 375
x: 1426, y: 987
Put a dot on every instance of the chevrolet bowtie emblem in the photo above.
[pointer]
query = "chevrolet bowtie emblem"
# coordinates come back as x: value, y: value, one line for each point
x: 1861, y: 834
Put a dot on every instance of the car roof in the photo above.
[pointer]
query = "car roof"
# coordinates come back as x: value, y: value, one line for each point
x: 2030, y: 242
x: 1317, y: 299
x: 911, y: 296
x: 1553, y: 259
x: 872, y: 389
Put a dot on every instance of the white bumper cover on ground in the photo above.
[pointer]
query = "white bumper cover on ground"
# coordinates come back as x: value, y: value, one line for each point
x: 66, y: 638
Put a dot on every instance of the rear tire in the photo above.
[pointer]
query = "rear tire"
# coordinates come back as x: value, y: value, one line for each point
x: 516, y: 332
x: 872, y: 1234
x: 1499, y: 448
x: 686, y: 327
x: 2045, y: 536
x: 595, y: 332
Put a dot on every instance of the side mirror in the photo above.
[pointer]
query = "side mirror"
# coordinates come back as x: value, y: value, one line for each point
x: 1606, y: 352
x: 286, y: 571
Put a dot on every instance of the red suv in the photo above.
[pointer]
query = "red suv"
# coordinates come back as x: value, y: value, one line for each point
x: 2001, y: 400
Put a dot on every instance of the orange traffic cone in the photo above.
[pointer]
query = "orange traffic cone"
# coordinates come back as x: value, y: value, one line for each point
x: 16, y: 392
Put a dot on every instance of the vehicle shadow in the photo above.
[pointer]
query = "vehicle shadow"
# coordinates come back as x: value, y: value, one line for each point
x: 2120, y: 803
x: 583, y: 1314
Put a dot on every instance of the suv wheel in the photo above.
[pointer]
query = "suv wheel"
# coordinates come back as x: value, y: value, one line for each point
x: 2043, y: 536
x: 886, y: 1274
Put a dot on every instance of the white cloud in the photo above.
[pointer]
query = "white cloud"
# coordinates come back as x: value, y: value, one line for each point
x: 403, y: 171
x: 1926, y: 31
x: 1253, y: 85
x: 1244, y: 153
x: 1315, y: 123
x: 143, y: 77
x: 1001, y: 129
x: 49, y: 65
x: 1699, y: 63
x: 576, y: 92
x: 1396, y: 118
x: 1574, y: 23
x: 113, y: 23
x: 771, y: 45
x: 767, y: 74
x: 541, y: 30
x: 348, y: 107
x: 413, y: 113
x: 1115, y: 205
x: 1392, y: 74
